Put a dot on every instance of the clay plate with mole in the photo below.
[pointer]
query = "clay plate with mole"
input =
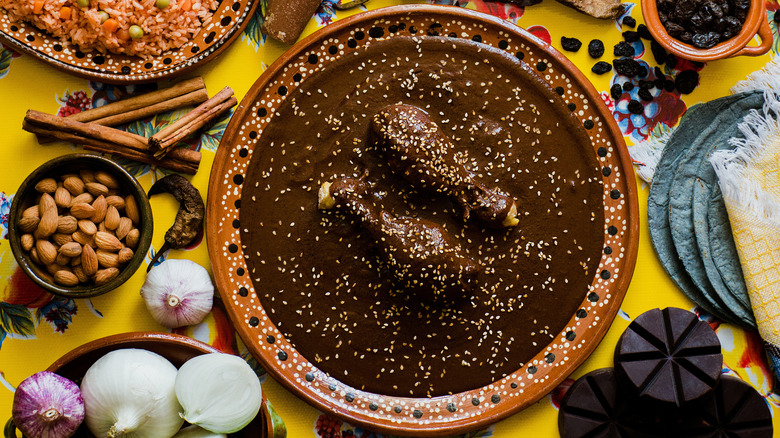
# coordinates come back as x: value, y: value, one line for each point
x: 307, y: 290
x: 227, y: 22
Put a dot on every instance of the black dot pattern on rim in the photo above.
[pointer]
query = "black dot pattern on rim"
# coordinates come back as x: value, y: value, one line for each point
x: 452, y: 35
x: 195, y: 49
x: 351, y: 43
x: 210, y: 37
x: 242, y: 291
x: 608, y: 250
x: 559, y: 90
x: 240, y: 272
x: 602, y: 151
x: 237, y: 204
x: 582, y: 313
x: 226, y: 20
x: 451, y: 407
x: 262, y: 112
x: 243, y: 153
x: 148, y: 65
x: 332, y: 387
x: 513, y: 385
x: 503, y: 44
x: 233, y: 248
x: 126, y: 70
x: 373, y: 406
x: 397, y: 409
x: 532, y: 369
x: 412, y: 30
x: 297, y: 76
x: 332, y: 50
x: 588, y: 124
x: 549, y: 358
x: 350, y: 397
x: 614, y: 194
x: 417, y: 414
x: 270, y: 339
x: 570, y: 335
x: 313, y: 58
x: 606, y: 171
x: 359, y: 35
x: 98, y: 60
x: 376, y: 32
x: 56, y: 47
x: 520, y: 55
x: 236, y: 223
x: 495, y: 398
x: 605, y: 274
x: 79, y: 54
x: 253, y: 321
x: 309, y: 377
x: 30, y: 38
x: 281, y: 355
x: 167, y: 61
x: 593, y: 297
x: 477, y: 38
x: 14, y: 29
x: 238, y: 179
x: 612, y: 230
x: 236, y: 6
x: 282, y: 90
x: 393, y: 28
x: 475, y: 401
x: 541, y: 66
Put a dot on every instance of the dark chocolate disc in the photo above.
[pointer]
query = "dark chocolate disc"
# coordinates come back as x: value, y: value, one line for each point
x: 668, y: 357
x: 736, y: 410
x: 593, y: 407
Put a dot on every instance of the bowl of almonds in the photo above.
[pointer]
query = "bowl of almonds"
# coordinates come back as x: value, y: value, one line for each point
x: 80, y: 225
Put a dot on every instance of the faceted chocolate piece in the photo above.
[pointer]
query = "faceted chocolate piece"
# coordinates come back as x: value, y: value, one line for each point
x: 668, y: 357
x: 593, y: 407
x: 736, y: 410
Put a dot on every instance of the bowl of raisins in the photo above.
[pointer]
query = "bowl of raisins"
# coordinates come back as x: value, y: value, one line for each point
x: 706, y: 30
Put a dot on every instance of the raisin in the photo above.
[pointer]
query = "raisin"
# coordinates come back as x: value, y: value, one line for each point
x: 623, y: 48
x: 596, y: 49
x: 659, y: 83
x: 644, y: 85
x: 686, y: 81
x: 776, y: 18
x: 626, y: 67
x: 706, y: 40
x: 642, y: 71
x: 645, y: 94
x: 628, y: 86
x: 601, y: 67
x: 671, y: 60
x: 686, y: 37
x: 631, y: 36
x: 669, y: 85
x: 616, y: 91
x: 635, y: 107
x: 570, y: 44
x: 684, y: 8
x: 629, y: 21
x: 658, y: 73
x: 674, y: 29
x: 659, y: 53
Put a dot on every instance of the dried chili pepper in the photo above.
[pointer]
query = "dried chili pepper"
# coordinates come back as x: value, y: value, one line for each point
x: 189, y: 218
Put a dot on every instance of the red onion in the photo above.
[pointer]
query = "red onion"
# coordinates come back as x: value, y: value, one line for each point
x: 47, y: 405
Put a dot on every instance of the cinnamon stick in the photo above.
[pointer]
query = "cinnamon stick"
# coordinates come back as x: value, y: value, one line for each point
x: 190, y: 99
x: 167, y: 145
x: 89, y: 130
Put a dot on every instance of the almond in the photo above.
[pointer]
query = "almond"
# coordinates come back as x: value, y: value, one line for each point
x: 83, y: 238
x: 61, y: 238
x: 125, y: 255
x: 65, y: 176
x: 79, y: 273
x: 74, y: 185
x: 47, y: 252
x: 82, y: 210
x: 27, y: 241
x: 132, y: 238
x: 103, y: 276
x: 131, y: 210
x: 71, y: 249
x: 48, y: 224
x: 75, y: 261
x: 66, y: 278
x: 46, y: 185
x: 86, y: 198
x: 89, y: 261
x: 87, y: 175
x: 116, y: 201
x: 100, y: 205
x: 87, y: 227
x: 67, y: 224
x: 34, y: 256
x: 125, y: 225
x: 97, y: 189
x: 52, y: 268
x: 33, y: 211
x: 107, y: 241
x: 62, y: 197
x: 62, y: 260
x: 106, y: 179
x: 28, y: 224
x: 107, y: 259
x: 111, y: 220
x: 46, y: 203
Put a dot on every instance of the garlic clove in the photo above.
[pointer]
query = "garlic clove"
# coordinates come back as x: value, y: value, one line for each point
x: 198, y: 432
x: 218, y: 392
x: 47, y: 405
x: 178, y: 293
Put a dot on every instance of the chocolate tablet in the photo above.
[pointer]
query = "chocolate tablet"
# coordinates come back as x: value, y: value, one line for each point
x: 668, y: 357
x: 594, y: 407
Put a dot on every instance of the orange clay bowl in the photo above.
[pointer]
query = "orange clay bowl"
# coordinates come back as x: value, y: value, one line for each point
x: 755, y: 23
x: 460, y: 412
x: 176, y: 348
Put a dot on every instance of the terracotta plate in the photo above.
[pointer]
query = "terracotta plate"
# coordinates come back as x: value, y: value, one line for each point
x: 228, y: 21
x: 439, y: 415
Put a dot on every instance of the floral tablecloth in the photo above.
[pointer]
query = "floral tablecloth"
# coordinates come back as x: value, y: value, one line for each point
x: 36, y: 328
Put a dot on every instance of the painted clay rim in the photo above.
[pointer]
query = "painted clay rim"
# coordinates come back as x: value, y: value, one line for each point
x: 722, y: 50
x: 63, y: 164
x: 206, y: 45
x: 460, y: 412
x: 138, y: 340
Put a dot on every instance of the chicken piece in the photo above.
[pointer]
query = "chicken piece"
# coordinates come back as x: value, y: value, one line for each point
x: 418, y: 150
x: 424, y: 259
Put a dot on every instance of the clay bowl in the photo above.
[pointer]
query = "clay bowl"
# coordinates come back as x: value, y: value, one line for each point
x: 176, y: 348
x: 26, y: 197
x: 755, y: 23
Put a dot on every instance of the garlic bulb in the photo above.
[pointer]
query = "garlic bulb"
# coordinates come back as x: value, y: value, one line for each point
x: 198, y: 432
x: 129, y: 393
x: 219, y: 392
x: 47, y: 405
x: 178, y: 293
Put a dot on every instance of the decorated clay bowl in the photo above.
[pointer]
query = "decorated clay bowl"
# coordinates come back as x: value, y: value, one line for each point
x: 227, y: 22
x: 26, y: 197
x: 755, y: 23
x: 176, y: 348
